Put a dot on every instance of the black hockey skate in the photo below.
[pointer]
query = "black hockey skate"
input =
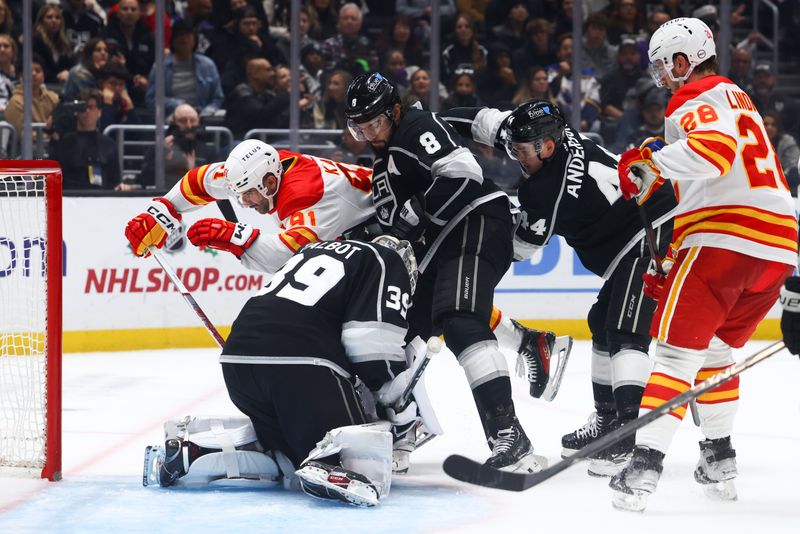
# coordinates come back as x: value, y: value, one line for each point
x: 716, y: 469
x: 325, y: 481
x: 598, y: 425
x: 511, y: 449
x: 610, y: 460
x: 542, y: 358
x: 637, y: 480
x: 165, y: 465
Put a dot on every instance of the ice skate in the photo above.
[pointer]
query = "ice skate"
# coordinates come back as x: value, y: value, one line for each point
x: 542, y: 358
x: 598, y: 425
x: 163, y: 465
x: 637, y: 480
x: 325, y: 481
x: 511, y: 449
x: 610, y: 460
x: 716, y: 469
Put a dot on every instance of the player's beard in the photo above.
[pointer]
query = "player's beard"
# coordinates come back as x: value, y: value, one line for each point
x: 378, y: 145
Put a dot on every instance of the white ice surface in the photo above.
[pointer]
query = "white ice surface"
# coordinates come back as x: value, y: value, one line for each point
x: 115, y: 404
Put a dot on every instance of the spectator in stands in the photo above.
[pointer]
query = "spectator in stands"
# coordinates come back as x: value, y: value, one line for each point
x: 475, y: 10
x: 83, y: 76
x: 563, y: 20
x: 330, y: 112
x: 785, y: 146
x: 8, y: 70
x: 420, y: 89
x: 464, y: 90
x: 560, y: 76
x: 7, y: 21
x: 252, y: 104
x: 184, y: 149
x: 741, y: 72
x: 88, y: 158
x: 127, y: 33
x: 311, y: 68
x: 512, y: 31
x: 535, y: 86
x: 421, y: 9
x: 597, y: 53
x: 614, y: 88
x: 463, y: 49
x: 198, y: 15
x: 348, y: 49
x: 768, y: 98
x: 189, y: 77
x: 651, y: 108
x: 304, y: 23
x: 497, y: 82
x: 51, y: 44
x: 80, y: 23
x: 400, y: 35
x: 625, y: 20
x: 395, y: 69
x: 538, y: 50
x: 327, y: 17
x: 283, y: 80
x: 244, y: 38
x: 117, y: 106
x: 147, y: 12
x: 43, y: 102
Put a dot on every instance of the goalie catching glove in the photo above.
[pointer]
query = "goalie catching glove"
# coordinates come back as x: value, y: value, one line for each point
x: 151, y: 228
x: 790, y: 319
x: 638, y: 175
x: 235, y: 238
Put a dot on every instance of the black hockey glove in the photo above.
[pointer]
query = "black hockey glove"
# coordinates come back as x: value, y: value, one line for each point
x: 790, y: 320
x: 411, y: 222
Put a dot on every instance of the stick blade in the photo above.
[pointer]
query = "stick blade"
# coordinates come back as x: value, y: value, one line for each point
x: 469, y: 471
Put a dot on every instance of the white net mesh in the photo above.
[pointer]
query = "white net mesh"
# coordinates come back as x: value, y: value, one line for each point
x: 23, y: 321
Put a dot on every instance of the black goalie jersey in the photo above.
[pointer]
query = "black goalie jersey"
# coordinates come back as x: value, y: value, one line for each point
x: 575, y: 194
x: 427, y: 159
x: 341, y: 304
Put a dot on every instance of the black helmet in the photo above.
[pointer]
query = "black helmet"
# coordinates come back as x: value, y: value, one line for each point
x: 533, y: 122
x: 368, y: 96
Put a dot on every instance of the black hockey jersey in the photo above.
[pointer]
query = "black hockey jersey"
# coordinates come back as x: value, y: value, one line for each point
x: 575, y: 194
x: 341, y: 304
x: 427, y: 159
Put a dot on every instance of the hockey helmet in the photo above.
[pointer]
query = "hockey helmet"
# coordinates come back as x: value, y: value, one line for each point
x: 533, y: 122
x: 406, y: 251
x: 248, y: 164
x: 688, y: 36
x: 368, y: 97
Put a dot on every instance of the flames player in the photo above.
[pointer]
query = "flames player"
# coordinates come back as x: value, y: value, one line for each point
x: 734, y: 243
x: 571, y: 189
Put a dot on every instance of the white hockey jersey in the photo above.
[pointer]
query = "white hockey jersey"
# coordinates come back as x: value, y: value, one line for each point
x: 318, y: 200
x: 731, y: 190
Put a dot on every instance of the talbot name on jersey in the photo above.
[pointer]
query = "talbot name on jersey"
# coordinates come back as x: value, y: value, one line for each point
x: 576, y: 168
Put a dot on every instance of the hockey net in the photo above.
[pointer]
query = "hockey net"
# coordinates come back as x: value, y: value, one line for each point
x: 30, y: 318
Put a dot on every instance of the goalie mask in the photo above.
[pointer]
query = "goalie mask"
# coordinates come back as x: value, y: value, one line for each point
x: 247, y: 166
x: 687, y: 36
x: 406, y: 252
x: 529, y: 125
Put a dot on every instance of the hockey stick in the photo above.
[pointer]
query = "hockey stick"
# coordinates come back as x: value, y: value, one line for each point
x: 226, y: 208
x: 464, y: 469
x: 434, y: 347
x: 159, y: 256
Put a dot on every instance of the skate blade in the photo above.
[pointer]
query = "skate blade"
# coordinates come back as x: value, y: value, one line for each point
x: 721, y: 491
x: 626, y: 502
x: 561, y: 350
x: 154, y: 456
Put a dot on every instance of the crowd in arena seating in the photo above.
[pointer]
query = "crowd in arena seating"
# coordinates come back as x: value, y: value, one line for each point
x: 226, y: 60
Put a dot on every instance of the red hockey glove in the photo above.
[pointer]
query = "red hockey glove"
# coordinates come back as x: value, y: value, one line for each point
x: 152, y: 227
x: 654, y: 280
x: 235, y: 238
x: 638, y: 176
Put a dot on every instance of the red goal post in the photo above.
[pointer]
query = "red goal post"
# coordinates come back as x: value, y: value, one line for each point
x: 30, y: 318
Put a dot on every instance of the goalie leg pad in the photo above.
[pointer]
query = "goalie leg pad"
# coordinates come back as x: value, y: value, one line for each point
x: 364, y: 449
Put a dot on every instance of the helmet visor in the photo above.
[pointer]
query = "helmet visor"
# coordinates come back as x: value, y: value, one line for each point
x: 659, y: 72
x: 370, y: 130
x: 521, y: 151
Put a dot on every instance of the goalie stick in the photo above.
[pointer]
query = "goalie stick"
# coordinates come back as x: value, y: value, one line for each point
x: 467, y: 470
x: 434, y: 346
x: 159, y: 256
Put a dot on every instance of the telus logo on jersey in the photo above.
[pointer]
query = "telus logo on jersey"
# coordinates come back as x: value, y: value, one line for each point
x: 576, y: 167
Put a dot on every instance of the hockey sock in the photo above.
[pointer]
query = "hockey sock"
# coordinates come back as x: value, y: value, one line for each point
x: 508, y: 336
x: 601, y: 381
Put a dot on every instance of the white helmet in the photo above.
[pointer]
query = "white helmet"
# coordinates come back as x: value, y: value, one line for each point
x: 248, y: 164
x: 687, y: 36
